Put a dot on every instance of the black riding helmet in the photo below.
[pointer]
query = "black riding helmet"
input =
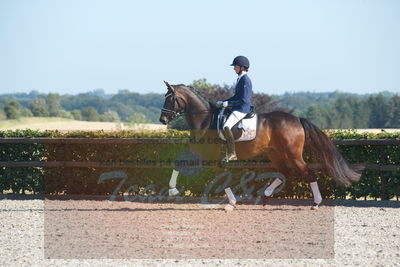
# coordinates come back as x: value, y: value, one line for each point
x: 241, y: 61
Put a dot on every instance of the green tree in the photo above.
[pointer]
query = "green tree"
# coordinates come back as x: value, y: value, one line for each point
x: 90, y: 114
x: 361, y: 113
x: 202, y: 84
x: 379, y: 111
x: 65, y: 114
x: 111, y: 116
x: 26, y: 113
x: 344, y: 113
x: 53, y: 104
x: 12, y: 110
x: 138, y: 118
x: 39, y: 108
x: 317, y: 115
x: 394, y: 110
x: 331, y: 117
x: 76, y: 114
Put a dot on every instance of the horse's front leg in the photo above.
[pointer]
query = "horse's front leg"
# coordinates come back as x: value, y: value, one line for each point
x: 172, y: 184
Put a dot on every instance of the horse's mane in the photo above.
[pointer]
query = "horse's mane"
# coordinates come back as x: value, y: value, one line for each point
x: 194, y: 91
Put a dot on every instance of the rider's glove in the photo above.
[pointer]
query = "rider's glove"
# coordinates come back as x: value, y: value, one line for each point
x: 222, y: 104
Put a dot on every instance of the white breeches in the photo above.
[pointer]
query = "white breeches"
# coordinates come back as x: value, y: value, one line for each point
x: 233, y: 118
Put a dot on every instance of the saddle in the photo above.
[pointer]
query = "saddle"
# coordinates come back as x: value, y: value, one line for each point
x: 243, y: 130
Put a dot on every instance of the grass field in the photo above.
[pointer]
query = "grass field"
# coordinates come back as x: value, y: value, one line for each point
x: 62, y: 124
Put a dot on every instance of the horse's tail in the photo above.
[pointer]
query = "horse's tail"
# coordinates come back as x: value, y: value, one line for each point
x: 325, y: 150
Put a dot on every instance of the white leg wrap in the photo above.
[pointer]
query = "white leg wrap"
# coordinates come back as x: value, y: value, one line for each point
x: 231, y: 196
x: 270, y: 189
x: 316, y: 193
x: 173, y: 192
x: 174, y: 176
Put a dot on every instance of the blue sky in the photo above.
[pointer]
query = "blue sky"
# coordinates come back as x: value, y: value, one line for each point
x: 293, y: 45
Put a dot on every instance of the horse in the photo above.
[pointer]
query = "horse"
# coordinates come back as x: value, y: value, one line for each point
x: 281, y: 136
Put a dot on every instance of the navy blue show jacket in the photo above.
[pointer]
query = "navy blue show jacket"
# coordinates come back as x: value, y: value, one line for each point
x: 241, y: 101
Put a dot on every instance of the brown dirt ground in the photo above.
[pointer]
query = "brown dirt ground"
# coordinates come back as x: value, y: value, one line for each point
x: 104, y: 229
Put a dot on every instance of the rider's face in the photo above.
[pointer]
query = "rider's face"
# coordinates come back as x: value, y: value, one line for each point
x: 236, y: 69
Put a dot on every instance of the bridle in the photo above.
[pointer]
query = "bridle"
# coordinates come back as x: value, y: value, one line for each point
x: 180, y: 112
x: 172, y: 111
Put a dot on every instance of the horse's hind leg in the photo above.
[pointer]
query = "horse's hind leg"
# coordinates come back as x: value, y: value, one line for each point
x: 308, y: 173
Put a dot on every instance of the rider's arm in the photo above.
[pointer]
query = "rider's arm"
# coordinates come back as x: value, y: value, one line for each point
x: 243, y: 95
x: 247, y: 91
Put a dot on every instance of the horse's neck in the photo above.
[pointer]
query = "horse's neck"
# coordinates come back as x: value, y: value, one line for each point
x: 199, y: 115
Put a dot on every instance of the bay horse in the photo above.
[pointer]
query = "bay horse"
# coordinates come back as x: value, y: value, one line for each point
x: 280, y: 136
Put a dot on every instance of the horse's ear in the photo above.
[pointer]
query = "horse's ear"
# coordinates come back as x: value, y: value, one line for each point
x: 170, y: 87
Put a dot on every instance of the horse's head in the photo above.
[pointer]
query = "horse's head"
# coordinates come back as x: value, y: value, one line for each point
x: 174, y: 104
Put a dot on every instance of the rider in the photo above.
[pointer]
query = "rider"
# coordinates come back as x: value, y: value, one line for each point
x: 240, y: 103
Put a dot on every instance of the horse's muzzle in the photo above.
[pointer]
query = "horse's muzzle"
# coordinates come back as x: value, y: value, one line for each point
x: 164, y: 120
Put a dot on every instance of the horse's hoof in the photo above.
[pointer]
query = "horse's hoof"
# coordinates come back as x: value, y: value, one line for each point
x: 315, y: 206
x: 232, y: 203
x: 229, y: 158
x: 173, y: 192
x: 264, y: 200
x: 229, y: 207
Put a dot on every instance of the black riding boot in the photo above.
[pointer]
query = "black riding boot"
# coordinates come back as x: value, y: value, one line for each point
x: 230, y: 145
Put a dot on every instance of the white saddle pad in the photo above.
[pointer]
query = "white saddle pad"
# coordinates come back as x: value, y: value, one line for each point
x: 249, y: 127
